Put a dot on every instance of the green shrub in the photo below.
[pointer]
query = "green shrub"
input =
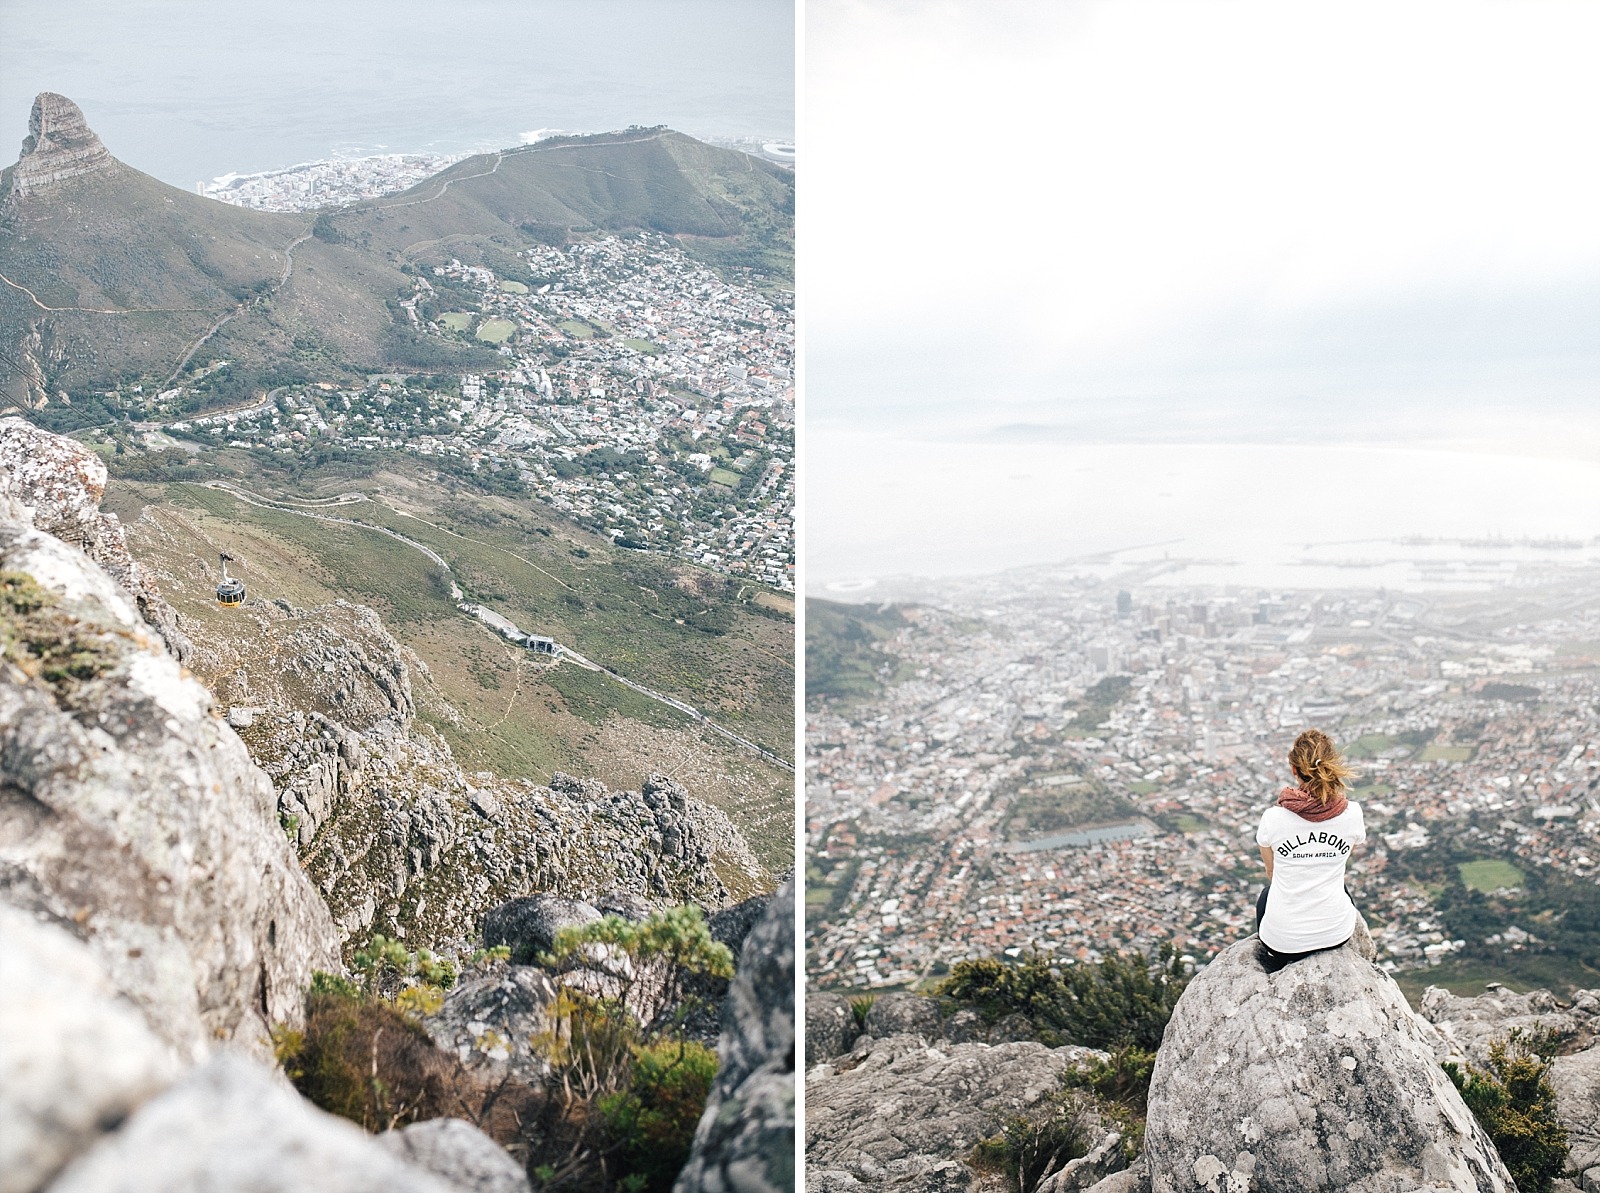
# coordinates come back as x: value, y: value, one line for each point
x: 652, y: 1122
x: 1032, y: 1146
x: 1516, y: 1104
x: 1120, y: 1001
x: 1122, y: 1080
x: 386, y: 967
x: 860, y: 1008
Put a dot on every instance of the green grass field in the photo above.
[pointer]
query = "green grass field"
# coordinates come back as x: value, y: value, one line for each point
x: 577, y: 330
x: 1516, y: 971
x: 1447, y: 754
x: 648, y: 347
x: 456, y: 320
x: 724, y: 476
x: 496, y: 331
x: 1489, y: 874
x: 513, y: 287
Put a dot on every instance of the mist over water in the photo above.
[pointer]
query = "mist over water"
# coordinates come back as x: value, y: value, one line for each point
x: 188, y: 91
x: 1294, y: 516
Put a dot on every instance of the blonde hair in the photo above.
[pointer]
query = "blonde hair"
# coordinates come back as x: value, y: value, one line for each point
x: 1317, y: 763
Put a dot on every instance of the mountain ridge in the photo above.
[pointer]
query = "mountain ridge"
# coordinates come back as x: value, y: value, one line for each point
x: 110, y: 274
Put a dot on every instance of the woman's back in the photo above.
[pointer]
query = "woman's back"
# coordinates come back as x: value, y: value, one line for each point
x: 1308, y: 907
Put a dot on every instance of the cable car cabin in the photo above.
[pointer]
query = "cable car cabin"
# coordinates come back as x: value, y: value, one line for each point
x: 230, y: 593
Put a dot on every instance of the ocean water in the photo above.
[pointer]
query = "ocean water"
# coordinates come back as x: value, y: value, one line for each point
x: 189, y: 91
x: 1332, y: 516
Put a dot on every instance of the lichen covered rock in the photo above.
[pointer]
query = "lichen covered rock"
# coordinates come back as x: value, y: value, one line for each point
x: 745, y: 1139
x: 132, y: 814
x: 1316, y: 1077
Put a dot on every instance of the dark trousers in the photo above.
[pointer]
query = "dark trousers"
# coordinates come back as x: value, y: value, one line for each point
x: 1272, y: 960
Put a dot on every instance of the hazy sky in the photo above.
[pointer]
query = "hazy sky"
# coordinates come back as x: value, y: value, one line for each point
x: 1215, y: 219
x: 186, y: 89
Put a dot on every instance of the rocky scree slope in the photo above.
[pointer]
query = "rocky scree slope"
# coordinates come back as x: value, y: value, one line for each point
x: 396, y: 836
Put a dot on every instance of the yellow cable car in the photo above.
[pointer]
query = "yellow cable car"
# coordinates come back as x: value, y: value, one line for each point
x: 230, y: 593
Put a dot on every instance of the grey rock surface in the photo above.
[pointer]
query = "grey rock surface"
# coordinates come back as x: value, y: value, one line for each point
x: 1318, y: 1076
x: 74, y: 1054
x: 1469, y: 1025
x: 60, y: 484
x: 830, y: 1026
x: 745, y: 1139
x: 489, y: 1022
x: 529, y: 925
x: 901, y: 1113
x: 1576, y: 1079
x: 59, y: 145
x: 965, y: 1026
x: 454, y: 1149
x: 732, y: 924
x: 132, y: 814
x: 232, y: 1125
x: 1135, y: 1179
x: 903, y: 1014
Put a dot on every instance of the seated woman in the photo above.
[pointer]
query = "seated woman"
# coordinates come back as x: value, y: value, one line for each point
x: 1305, y: 840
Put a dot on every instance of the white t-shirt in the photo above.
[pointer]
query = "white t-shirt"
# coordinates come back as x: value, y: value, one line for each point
x: 1308, y: 907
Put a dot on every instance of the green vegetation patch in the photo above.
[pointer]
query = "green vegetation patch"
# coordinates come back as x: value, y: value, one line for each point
x: 513, y: 287
x: 724, y: 476
x: 456, y: 320
x: 497, y: 331
x: 1489, y: 874
x: 648, y: 347
x: 1516, y: 1104
x: 594, y: 696
x: 577, y: 330
x: 845, y: 659
x: 1447, y: 754
x: 1037, y: 813
x: 42, y: 641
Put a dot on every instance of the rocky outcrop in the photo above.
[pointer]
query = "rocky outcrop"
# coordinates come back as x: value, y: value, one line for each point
x: 59, y: 145
x: 528, y: 926
x: 903, y: 1014
x: 132, y: 816
x: 1467, y: 1026
x: 230, y: 1124
x: 460, y: 1153
x: 900, y: 1112
x: 397, y: 837
x: 745, y: 1139
x: 61, y: 483
x: 491, y: 1022
x: 830, y: 1026
x: 1317, y: 1076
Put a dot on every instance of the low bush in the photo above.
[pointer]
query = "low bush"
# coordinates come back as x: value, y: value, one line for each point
x: 1516, y: 1104
x: 1032, y: 1146
x: 1120, y: 1001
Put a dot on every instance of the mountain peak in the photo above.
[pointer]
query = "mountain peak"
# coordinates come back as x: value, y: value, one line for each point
x: 59, y: 145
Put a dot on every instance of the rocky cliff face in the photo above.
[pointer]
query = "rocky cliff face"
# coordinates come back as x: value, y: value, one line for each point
x: 59, y: 145
x: 60, y: 484
x: 745, y: 1140
x: 132, y: 816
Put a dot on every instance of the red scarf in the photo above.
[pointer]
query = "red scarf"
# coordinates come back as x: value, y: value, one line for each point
x: 1308, y: 807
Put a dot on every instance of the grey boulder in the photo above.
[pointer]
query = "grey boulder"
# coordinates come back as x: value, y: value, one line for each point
x: 529, y: 925
x: 74, y: 1055
x: 460, y: 1153
x: 899, y: 1113
x: 902, y: 1014
x: 830, y: 1026
x: 1317, y: 1076
x: 489, y: 1023
x: 230, y: 1124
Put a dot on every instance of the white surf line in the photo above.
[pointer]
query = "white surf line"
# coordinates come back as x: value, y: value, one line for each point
x: 671, y: 701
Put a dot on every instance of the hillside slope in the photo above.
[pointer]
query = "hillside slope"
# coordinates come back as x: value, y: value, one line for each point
x: 109, y: 274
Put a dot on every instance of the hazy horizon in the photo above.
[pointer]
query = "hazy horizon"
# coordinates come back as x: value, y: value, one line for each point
x: 1058, y: 228
x: 257, y: 87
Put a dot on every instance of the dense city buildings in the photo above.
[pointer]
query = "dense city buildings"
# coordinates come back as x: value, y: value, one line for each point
x: 639, y: 393
x: 314, y: 185
x: 1055, y: 764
